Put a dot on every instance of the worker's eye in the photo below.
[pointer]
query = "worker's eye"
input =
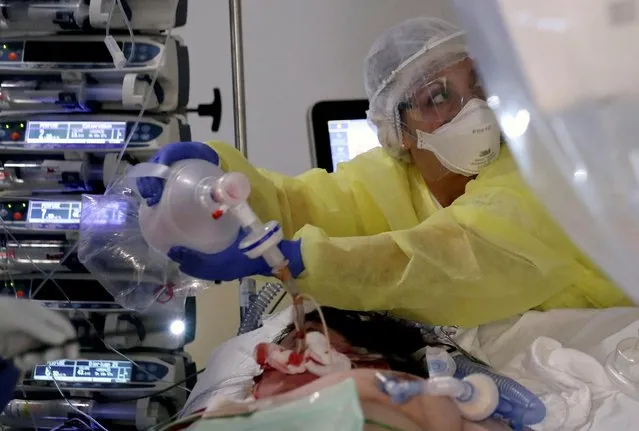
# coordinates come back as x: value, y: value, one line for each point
x: 431, y: 96
x: 474, y: 78
x: 438, y: 97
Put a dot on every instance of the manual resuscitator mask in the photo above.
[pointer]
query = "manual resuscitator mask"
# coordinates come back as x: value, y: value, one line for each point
x: 469, y: 142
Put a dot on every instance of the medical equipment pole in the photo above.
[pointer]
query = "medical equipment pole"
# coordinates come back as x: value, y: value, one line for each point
x: 237, y: 58
x: 247, y: 286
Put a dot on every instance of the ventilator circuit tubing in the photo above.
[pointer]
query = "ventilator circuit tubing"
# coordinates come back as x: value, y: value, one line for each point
x: 475, y: 395
x: 516, y: 403
x: 257, y: 308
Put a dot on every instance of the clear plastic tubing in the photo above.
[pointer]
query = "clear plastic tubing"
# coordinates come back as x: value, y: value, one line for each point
x: 444, y: 386
x: 448, y: 386
x: 515, y: 401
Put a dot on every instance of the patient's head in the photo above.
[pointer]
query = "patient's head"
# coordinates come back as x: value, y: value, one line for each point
x: 370, y: 340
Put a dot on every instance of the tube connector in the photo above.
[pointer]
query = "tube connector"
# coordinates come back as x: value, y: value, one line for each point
x: 476, y: 396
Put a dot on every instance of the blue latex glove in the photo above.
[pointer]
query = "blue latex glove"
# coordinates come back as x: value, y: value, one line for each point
x: 151, y: 188
x: 232, y: 264
x: 9, y: 376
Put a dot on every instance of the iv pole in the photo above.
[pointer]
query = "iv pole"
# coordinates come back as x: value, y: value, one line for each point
x: 237, y: 66
x: 248, y: 286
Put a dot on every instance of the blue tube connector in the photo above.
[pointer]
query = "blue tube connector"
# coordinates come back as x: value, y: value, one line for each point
x: 516, y: 403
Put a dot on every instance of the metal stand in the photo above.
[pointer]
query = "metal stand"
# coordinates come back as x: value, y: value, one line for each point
x: 237, y: 58
x: 247, y: 287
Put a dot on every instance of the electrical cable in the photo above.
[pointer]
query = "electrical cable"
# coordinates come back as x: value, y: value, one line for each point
x: 49, y: 276
x: 116, y: 400
x: 94, y: 336
x: 74, y: 408
x: 133, y: 130
x: 127, y: 23
x: 8, y: 233
x: 70, y: 422
x: 153, y: 394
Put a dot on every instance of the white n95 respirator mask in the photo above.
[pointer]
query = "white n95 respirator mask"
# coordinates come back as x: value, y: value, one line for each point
x: 469, y: 142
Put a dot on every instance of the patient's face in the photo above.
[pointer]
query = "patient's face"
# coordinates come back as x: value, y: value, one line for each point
x: 273, y: 382
x: 421, y: 413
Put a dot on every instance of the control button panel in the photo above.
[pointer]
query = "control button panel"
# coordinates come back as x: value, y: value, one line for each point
x: 11, y: 52
x: 12, y: 131
x: 14, y: 211
x: 148, y: 372
x: 145, y: 132
x: 143, y: 52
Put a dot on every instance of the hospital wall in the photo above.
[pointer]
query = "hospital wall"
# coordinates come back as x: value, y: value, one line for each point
x: 296, y: 53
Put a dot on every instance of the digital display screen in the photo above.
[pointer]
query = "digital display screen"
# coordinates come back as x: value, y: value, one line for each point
x: 89, y: 371
x: 350, y: 138
x: 58, y: 212
x: 76, y: 132
x: 106, y: 214
x: 43, y: 51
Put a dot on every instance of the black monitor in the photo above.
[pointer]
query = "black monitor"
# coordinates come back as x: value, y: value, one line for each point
x: 340, y: 132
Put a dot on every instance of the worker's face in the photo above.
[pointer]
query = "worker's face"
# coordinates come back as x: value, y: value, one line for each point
x: 420, y: 413
x: 433, y: 104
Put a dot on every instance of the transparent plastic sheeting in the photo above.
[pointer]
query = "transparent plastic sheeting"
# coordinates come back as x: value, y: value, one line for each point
x: 563, y: 78
x: 112, y: 248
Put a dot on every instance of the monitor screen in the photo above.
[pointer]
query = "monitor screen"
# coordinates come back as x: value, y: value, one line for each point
x: 76, y: 132
x: 350, y: 138
x: 85, y: 371
x: 59, y: 212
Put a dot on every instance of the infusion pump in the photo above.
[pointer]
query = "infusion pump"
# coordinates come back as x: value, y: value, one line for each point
x: 42, y: 154
x: 118, y: 392
x: 77, y: 72
x: 56, y: 15
x: 41, y: 133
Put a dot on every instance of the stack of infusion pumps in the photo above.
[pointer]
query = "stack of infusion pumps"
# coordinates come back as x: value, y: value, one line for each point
x: 74, y: 78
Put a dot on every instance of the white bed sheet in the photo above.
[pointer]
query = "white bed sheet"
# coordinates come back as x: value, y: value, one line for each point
x: 560, y: 356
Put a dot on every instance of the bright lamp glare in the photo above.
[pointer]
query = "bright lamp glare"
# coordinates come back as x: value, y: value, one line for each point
x: 177, y: 327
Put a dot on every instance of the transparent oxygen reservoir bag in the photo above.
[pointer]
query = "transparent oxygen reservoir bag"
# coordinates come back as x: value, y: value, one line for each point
x: 563, y: 79
x: 184, y: 215
x: 124, y: 242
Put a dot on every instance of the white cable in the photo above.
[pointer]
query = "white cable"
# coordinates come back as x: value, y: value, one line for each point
x: 147, y: 98
x: 114, y: 350
x: 139, y: 118
x: 129, y: 27
x: 74, y: 408
x: 114, y: 49
x: 145, y: 103
x: 59, y: 427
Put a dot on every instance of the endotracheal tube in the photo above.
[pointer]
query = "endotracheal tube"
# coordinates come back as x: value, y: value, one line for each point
x: 231, y: 192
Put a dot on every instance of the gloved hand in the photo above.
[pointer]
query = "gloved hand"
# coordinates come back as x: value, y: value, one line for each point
x: 151, y: 188
x: 9, y: 376
x: 26, y: 325
x: 232, y: 264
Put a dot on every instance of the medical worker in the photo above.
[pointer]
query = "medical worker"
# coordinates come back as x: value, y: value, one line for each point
x: 437, y: 226
x: 26, y: 325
